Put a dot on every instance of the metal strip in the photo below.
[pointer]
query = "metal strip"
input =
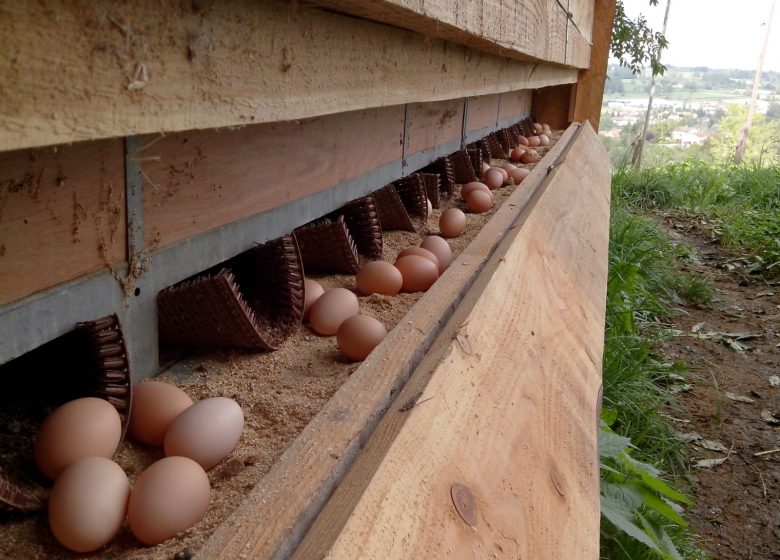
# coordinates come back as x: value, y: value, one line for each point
x: 405, y: 142
x: 134, y: 198
x: 464, y: 128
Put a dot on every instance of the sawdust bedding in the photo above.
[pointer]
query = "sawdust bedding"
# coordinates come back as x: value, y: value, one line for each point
x: 279, y: 392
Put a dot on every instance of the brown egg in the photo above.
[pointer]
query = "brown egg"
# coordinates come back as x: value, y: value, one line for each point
x: 523, y: 141
x: 206, y: 432
x: 379, y: 277
x: 430, y: 208
x: 534, y: 141
x: 479, y: 202
x: 517, y: 154
x: 312, y: 292
x: 439, y: 247
x: 418, y: 272
x: 169, y: 497
x: 452, y: 223
x: 359, y: 335
x: 485, y: 167
x: 538, y: 127
x: 504, y: 174
x: 519, y: 174
x: 468, y: 187
x: 493, y: 178
x: 420, y: 252
x: 508, y: 167
x: 88, y: 503
x: 154, y: 406
x: 544, y: 139
x: 330, y: 310
x: 88, y: 427
x: 531, y: 156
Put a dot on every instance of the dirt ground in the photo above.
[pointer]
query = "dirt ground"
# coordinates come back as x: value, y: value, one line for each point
x: 733, y: 351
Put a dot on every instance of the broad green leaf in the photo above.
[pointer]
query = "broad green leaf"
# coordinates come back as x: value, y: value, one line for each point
x: 657, y: 504
x: 609, y: 415
x: 615, y: 512
x: 624, y: 494
x: 659, y: 536
x: 649, y: 475
x: 612, y: 445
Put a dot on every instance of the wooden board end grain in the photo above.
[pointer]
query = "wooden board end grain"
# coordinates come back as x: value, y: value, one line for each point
x: 279, y: 510
x: 495, y: 452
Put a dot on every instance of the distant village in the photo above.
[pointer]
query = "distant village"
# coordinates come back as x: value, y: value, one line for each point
x: 688, y: 107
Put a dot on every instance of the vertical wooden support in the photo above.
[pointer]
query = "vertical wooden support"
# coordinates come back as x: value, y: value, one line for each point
x: 589, y: 90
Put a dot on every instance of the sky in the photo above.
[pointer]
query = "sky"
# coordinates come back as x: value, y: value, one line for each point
x: 714, y: 33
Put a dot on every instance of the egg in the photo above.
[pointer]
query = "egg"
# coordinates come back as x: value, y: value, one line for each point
x: 517, y: 154
x: 359, y: 335
x: 439, y: 247
x: 479, y: 202
x: 531, y: 156
x: 312, y: 292
x: 88, y: 427
x: 519, y: 174
x: 420, y: 252
x: 504, y: 174
x: 468, y: 187
x: 508, y: 167
x: 169, y: 497
x: 88, y: 503
x: 523, y: 141
x: 155, y: 405
x: 379, y: 277
x: 430, y: 207
x: 534, y: 141
x: 538, y: 127
x: 452, y: 222
x: 206, y: 432
x: 493, y: 178
x: 330, y: 310
x: 485, y: 167
x: 418, y: 273
x: 544, y: 139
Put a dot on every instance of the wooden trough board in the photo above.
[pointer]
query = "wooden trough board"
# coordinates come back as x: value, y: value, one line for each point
x: 503, y: 358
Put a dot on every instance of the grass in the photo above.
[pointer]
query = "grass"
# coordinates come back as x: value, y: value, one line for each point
x: 741, y: 202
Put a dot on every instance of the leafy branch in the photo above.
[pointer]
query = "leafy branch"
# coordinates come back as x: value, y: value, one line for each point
x: 635, y: 44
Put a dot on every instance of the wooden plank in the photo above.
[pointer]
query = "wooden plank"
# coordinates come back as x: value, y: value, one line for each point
x: 589, y: 91
x: 62, y: 215
x: 483, y: 111
x: 582, y: 17
x: 514, y: 103
x: 129, y: 67
x: 432, y: 124
x: 523, y: 29
x: 509, y: 409
x: 196, y: 181
x: 278, y: 511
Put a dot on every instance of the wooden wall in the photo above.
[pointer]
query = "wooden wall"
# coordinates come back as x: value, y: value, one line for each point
x: 62, y: 215
x: 84, y: 70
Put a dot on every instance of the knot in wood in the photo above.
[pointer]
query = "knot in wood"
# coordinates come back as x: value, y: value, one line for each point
x: 464, y: 503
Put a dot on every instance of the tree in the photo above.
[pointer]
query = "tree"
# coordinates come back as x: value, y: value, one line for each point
x: 635, y: 44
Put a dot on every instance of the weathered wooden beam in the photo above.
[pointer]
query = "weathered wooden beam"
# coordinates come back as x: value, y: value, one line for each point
x: 491, y: 449
x: 589, y: 90
x: 78, y: 70
x: 279, y: 510
x: 523, y: 29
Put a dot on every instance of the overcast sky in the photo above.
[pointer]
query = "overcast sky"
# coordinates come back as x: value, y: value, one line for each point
x: 714, y: 33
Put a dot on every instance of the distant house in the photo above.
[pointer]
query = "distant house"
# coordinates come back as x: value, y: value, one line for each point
x: 686, y: 137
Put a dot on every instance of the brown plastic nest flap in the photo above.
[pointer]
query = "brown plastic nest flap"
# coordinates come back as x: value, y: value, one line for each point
x: 461, y: 165
x: 496, y: 151
x: 432, y: 188
x: 328, y: 247
x: 411, y: 190
x: 254, y: 300
x: 475, y: 154
x: 89, y: 361
x: 363, y: 224
x: 443, y: 168
x: 392, y: 213
x: 504, y: 140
